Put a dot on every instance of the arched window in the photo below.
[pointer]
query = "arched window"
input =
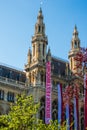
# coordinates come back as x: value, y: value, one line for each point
x: 42, y: 108
x: 43, y: 49
x: 55, y: 110
x: 54, y: 115
x: 39, y: 28
x: 1, y: 94
x: 42, y: 29
x: 42, y: 114
x: 75, y: 44
x: 10, y: 97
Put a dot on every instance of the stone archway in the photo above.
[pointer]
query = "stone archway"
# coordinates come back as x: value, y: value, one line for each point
x: 42, y: 108
x: 55, y: 110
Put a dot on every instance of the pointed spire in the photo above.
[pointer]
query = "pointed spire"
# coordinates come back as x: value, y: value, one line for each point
x: 40, y: 16
x: 75, y: 32
x: 29, y: 51
x: 40, y: 26
x: 49, y: 52
x: 49, y: 55
x: 29, y: 56
x: 75, y: 42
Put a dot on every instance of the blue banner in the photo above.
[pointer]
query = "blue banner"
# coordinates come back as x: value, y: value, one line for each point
x: 75, y: 115
x: 59, y: 103
x: 67, y: 117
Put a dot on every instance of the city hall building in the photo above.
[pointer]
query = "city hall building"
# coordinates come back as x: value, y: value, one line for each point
x: 32, y: 79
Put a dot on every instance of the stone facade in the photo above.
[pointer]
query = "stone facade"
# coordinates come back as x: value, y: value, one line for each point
x: 33, y: 79
x: 12, y: 82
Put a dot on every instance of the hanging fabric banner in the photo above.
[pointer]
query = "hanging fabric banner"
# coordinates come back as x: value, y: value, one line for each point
x: 85, y: 101
x: 48, y: 111
x: 76, y: 114
x: 76, y: 109
x: 67, y: 117
x: 59, y: 104
x: 67, y: 102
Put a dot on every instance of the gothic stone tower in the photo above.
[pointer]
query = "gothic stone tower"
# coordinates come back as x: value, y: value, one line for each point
x: 76, y: 74
x: 75, y: 48
x: 35, y: 68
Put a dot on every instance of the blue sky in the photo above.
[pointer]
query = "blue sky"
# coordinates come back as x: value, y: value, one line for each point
x: 17, y: 21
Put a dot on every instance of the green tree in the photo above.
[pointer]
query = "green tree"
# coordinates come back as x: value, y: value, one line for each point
x: 23, y: 116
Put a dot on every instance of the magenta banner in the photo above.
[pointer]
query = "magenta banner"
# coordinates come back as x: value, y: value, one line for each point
x: 48, y: 112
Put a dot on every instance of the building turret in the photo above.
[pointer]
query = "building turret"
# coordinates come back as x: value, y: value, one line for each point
x: 40, y: 26
x: 39, y: 40
x: 29, y: 56
x: 35, y: 68
x: 49, y: 55
x: 75, y: 43
x: 75, y: 48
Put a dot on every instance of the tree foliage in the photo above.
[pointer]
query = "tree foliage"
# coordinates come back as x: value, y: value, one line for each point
x: 23, y: 116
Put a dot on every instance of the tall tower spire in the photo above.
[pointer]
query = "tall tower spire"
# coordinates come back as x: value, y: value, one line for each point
x: 40, y: 26
x: 75, y: 32
x: 35, y: 68
x: 75, y: 43
x: 39, y: 40
x: 75, y: 48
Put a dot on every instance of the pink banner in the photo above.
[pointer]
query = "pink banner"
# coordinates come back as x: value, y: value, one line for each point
x: 48, y: 112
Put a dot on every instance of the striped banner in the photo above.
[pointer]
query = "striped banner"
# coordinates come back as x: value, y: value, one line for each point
x: 85, y: 101
x: 59, y: 104
x: 48, y: 110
